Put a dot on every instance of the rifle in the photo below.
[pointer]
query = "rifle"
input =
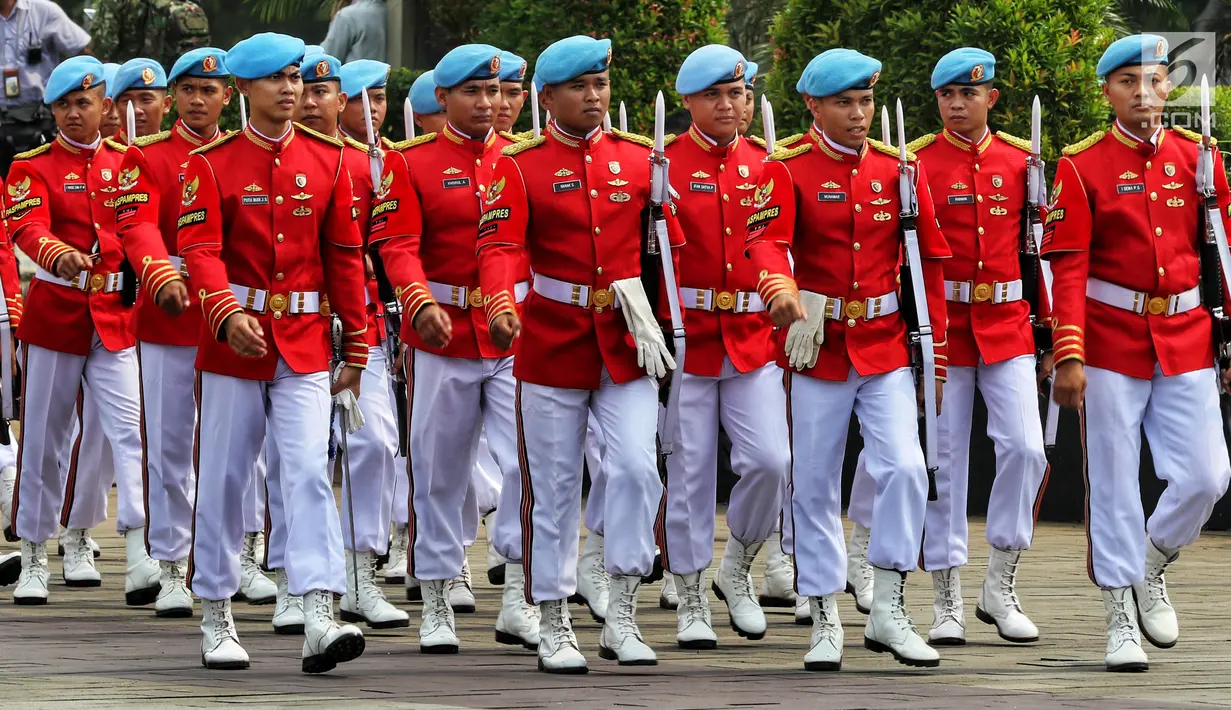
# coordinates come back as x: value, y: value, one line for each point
x: 658, y: 242
x: 918, y: 320
x: 1214, y: 256
x: 1029, y: 248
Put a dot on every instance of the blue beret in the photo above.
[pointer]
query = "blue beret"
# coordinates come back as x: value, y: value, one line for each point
x: 469, y: 61
x: 363, y: 74
x: 750, y: 73
x: 321, y: 67
x: 205, y: 62
x: 1135, y: 50
x: 799, y: 84
x: 968, y: 66
x: 838, y: 70
x: 570, y: 58
x: 313, y: 49
x: 709, y: 65
x: 423, y: 95
x: 109, y: 70
x: 139, y: 73
x: 512, y: 67
x: 264, y: 54
x: 73, y: 74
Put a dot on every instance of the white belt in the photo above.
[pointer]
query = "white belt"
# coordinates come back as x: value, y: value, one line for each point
x: 84, y: 281
x: 466, y: 297
x: 180, y: 265
x: 574, y: 294
x: 259, y: 300
x: 707, y: 299
x: 996, y: 292
x: 1141, y: 303
x: 867, y: 309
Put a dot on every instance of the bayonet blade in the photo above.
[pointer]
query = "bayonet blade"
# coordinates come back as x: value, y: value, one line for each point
x: 607, y: 123
x: 534, y: 109
x: 243, y: 112
x: 901, y: 133
x: 885, y: 125
x: 408, y: 118
x: 1036, y: 128
x: 660, y: 123
x: 767, y: 122
x: 623, y: 118
x: 131, y: 123
x: 1205, y: 110
x: 374, y: 163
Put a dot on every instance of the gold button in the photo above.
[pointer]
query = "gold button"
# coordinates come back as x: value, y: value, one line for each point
x: 478, y: 162
x: 89, y: 165
x: 1153, y: 195
x: 278, y: 276
x: 600, y: 271
x: 277, y: 315
x: 91, y: 194
x: 1158, y: 231
x: 856, y: 246
x: 97, y: 226
x: 726, y: 198
x: 976, y: 167
x: 850, y: 322
x: 730, y: 267
x: 589, y: 159
x: 593, y: 193
x: 277, y: 161
x: 278, y: 200
x: 728, y: 230
x: 281, y: 236
x: 1162, y: 271
x: 855, y: 286
x: 859, y: 208
x: 854, y: 172
x: 979, y: 198
x: 1149, y: 164
x: 722, y: 168
x: 597, y: 230
x: 482, y: 188
x: 980, y: 265
x: 980, y: 230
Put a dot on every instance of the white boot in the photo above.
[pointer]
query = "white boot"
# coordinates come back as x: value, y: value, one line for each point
x: 859, y: 575
x: 461, y: 595
x: 827, y: 635
x: 998, y: 603
x: 174, y: 600
x: 414, y: 593
x: 1124, y: 652
x: 558, y: 651
x: 141, y: 584
x: 948, y: 612
x: 620, y: 639
x: 326, y: 643
x: 395, y: 568
x: 1154, y: 611
x: 495, y: 561
x: 254, y: 586
x: 94, y: 548
x: 694, y: 629
x: 518, y: 622
x: 8, y: 481
x: 437, y: 634
x: 78, y: 562
x: 35, y: 576
x: 10, y: 567
x: 803, y: 611
x: 220, y: 649
x: 669, y: 595
x: 370, y: 607
x: 778, y: 586
x: 889, y: 628
x: 288, y: 611
x: 733, y: 584
x: 593, y: 582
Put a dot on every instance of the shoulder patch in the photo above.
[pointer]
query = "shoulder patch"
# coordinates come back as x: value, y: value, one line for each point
x: 633, y: 137
x: 320, y: 136
x: 522, y: 145
x: 355, y: 144
x: 33, y: 153
x: 755, y: 140
x: 1014, y: 141
x: 210, y: 146
x: 788, y: 153
x: 115, y: 145
x: 156, y: 138
x: 1193, y: 135
x: 790, y: 140
x: 418, y: 140
x: 921, y: 142
x: 890, y: 150
x: 1084, y: 143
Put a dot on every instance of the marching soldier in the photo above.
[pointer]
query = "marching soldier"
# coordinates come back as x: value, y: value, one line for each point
x: 112, y: 122
x: 1122, y: 234
x: 512, y: 92
x: 429, y: 114
x: 834, y: 202
x: 750, y: 106
x: 730, y: 377
x: 572, y: 199
x: 10, y: 563
x: 267, y: 230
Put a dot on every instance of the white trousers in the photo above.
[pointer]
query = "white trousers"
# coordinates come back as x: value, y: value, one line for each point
x: 751, y: 408
x: 52, y: 384
x: 1183, y: 425
x: 169, y: 413
x: 596, y: 501
x: 371, y: 459
x: 552, y: 431
x: 235, y: 416
x: 453, y: 398
x: 87, y: 469
x: 818, y: 413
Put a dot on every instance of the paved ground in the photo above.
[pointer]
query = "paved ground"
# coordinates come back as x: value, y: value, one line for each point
x: 86, y: 649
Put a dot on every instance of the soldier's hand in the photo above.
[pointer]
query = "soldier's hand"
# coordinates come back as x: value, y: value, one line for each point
x: 434, y: 326
x: 786, y: 309
x: 399, y: 365
x: 245, y: 335
x: 1069, y: 386
x: 71, y: 264
x: 940, y: 394
x: 368, y: 270
x: 1226, y: 380
x: 504, y: 330
x: 348, y: 379
x: 1045, y: 367
x: 173, y: 298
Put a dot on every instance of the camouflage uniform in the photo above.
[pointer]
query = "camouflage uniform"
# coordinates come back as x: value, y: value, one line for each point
x: 158, y: 29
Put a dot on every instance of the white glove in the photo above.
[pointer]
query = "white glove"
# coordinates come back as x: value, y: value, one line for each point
x: 652, y: 353
x: 350, y: 416
x: 804, y: 338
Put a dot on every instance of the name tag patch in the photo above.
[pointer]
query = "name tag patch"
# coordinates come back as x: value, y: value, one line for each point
x: 1131, y: 188
x: 256, y: 199
x: 703, y: 187
x: 961, y: 199
x: 567, y: 186
x: 456, y: 182
x: 831, y: 197
x: 74, y: 187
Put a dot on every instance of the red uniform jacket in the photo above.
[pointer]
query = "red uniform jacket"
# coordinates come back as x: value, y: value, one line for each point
x: 146, y: 210
x: 979, y: 192
x: 9, y: 277
x: 715, y: 185
x: 275, y: 216
x: 433, y: 208
x: 838, y: 215
x: 1126, y: 212
x: 59, y: 198
x: 575, y: 206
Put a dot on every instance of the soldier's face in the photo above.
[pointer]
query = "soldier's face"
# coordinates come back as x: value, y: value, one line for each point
x: 352, y: 115
x: 580, y: 104
x: 471, y: 105
x: 111, y: 124
x: 320, y: 106
x: 149, y: 106
x: 845, y: 117
x: 750, y: 111
x: 717, y: 110
x: 430, y: 122
x: 274, y: 98
x: 512, y: 98
x: 78, y: 114
x: 1138, y: 94
x: 199, y: 102
x: 964, y: 108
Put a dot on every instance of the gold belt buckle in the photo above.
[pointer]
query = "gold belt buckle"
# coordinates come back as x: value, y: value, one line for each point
x: 983, y: 292
x: 600, y: 298
x: 726, y: 301
x: 476, y: 298
x: 96, y: 283
x: 277, y: 303
x: 854, y: 309
x: 1157, y: 306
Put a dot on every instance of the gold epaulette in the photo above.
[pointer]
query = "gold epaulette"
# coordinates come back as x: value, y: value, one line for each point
x: 789, y: 140
x: 667, y: 140
x: 347, y: 140
x: 115, y: 145
x: 523, y: 145
x: 891, y: 150
x: 755, y: 140
x: 418, y: 140
x: 32, y: 153
x: 788, y: 153
x: 210, y: 146
x: 1193, y: 135
x: 156, y: 138
x: 524, y: 135
x: 1083, y: 144
x: 510, y: 136
x: 921, y: 142
x: 321, y: 136
x: 633, y: 137
x: 386, y: 143
x: 1014, y: 141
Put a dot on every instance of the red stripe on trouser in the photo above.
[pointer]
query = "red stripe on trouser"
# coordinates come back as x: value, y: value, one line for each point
x: 527, y: 503
x: 269, y: 524
x: 196, y: 466
x: 70, y: 482
x: 660, y: 522
x: 145, y: 452
x: 20, y: 441
x: 1085, y: 474
x: 790, y: 478
x: 409, y: 367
